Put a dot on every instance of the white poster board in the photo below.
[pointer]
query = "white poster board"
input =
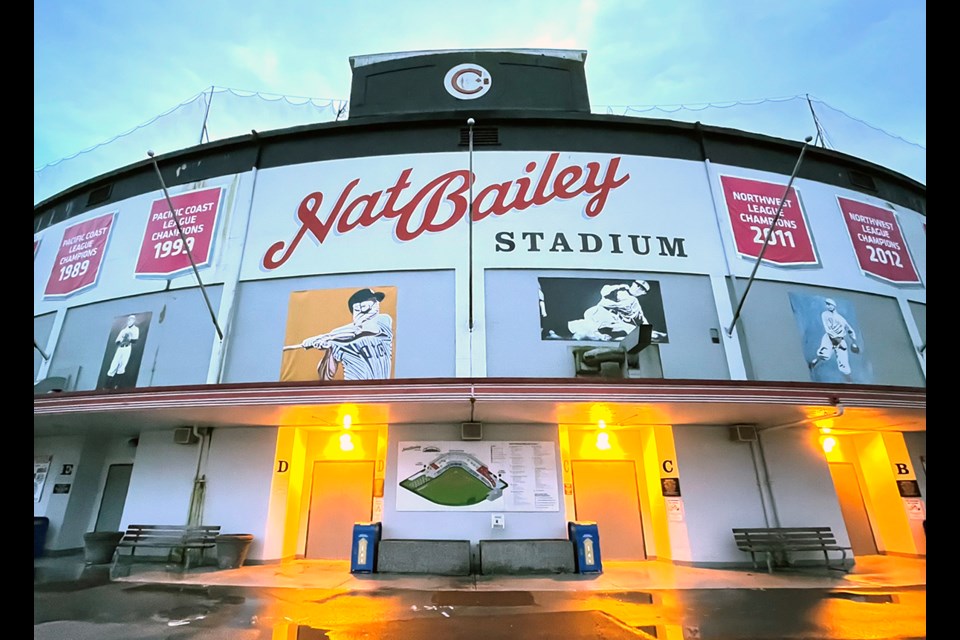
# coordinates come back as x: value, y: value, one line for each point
x: 477, y: 476
x: 41, y: 468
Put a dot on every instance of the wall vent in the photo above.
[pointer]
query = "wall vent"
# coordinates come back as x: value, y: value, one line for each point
x: 185, y: 435
x: 99, y: 195
x: 482, y: 136
x: 743, y: 433
x: 471, y: 431
x: 862, y: 180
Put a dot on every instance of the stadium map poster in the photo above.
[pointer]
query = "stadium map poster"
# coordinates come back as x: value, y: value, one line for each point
x: 477, y: 476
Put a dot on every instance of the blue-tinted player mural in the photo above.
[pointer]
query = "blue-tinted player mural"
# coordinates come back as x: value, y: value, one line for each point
x: 832, y: 344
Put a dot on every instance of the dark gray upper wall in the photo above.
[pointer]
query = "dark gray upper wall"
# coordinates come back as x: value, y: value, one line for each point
x: 531, y: 80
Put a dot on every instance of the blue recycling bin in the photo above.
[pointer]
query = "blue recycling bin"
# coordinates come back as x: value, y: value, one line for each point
x: 586, y: 542
x: 363, y: 553
x: 40, y: 526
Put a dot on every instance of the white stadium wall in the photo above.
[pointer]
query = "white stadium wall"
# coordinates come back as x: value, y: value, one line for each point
x: 284, y: 226
x: 654, y: 217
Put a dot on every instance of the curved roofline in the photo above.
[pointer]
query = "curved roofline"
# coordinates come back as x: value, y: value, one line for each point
x: 502, y: 117
x: 578, y: 55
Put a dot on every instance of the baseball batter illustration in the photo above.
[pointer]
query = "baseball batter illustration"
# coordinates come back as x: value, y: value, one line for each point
x: 124, y: 341
x: 836, y: 329
x: 363, y: 347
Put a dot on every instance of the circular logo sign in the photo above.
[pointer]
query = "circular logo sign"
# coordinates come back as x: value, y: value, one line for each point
x: 467, y: 81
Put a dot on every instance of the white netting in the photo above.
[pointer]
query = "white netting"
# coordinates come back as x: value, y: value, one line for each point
x: 219, y: 113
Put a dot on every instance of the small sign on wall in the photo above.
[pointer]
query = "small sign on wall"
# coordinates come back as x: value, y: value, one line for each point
x: 915, y: 509
x: 41, y: 466
x: 674, y: 509
x: 61, y: 488
x: 670, y: 486
x: 908, y: 488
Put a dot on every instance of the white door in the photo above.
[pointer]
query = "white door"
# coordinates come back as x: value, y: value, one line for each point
x: 854, y: 511
x: 114, y: 497
x: 341, y: 495
x: 605, y: 492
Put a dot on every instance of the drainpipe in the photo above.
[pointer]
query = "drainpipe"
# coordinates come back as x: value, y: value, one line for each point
x: 768, y: 484
x: 768, y: 488
x: 763, y: 481
x: 198, y: 496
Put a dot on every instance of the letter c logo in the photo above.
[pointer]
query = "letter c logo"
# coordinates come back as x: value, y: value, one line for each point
x: 467, y: 81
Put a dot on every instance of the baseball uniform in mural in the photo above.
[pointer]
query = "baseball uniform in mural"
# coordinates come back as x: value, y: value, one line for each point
x: 616, y: 315
x: 124, y: 341
x: 363, y: 347
x: 834, y: 341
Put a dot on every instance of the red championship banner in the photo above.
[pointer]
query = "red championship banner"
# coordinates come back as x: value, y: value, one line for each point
x: 752, y: 206
x: 878, y: 241
x: 77, y: 266
x: 163, y: 251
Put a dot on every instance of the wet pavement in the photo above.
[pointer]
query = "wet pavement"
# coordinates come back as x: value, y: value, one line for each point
x: 880, y: 598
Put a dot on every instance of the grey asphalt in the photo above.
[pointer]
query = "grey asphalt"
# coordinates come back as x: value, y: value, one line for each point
x: 881, y: 597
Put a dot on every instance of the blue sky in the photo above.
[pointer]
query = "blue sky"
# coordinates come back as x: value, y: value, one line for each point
x: 103, y: 67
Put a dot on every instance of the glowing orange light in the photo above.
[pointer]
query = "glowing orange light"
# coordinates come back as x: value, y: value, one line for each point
x: 603, y: 440
x: 828, y: 443
x: 346, y: 442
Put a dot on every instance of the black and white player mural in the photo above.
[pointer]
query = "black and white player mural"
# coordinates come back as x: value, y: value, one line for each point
x: 604, y: 309
x: 124, y: 352
x: 832, y: 343
x: 340, y: 334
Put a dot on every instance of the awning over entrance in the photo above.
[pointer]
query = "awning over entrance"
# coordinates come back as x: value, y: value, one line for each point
x: 625, y: 403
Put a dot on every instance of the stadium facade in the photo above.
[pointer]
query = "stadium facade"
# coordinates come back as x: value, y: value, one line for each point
x: 291, y: 331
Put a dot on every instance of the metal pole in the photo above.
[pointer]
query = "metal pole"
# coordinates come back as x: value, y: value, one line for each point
x: 206, y: 114
x: 470, y: 123
x: 769, y: 234
x: 186, y: 246
x: 37, y: 347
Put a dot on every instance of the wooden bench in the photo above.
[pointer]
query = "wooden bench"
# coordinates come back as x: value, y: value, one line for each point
x: 173, y: 538
x: 777, y: 544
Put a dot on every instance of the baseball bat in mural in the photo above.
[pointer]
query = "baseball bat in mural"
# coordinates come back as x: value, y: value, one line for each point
x: 359, y: 350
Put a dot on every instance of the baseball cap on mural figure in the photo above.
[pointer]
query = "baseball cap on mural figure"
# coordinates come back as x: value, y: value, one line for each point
x: 830, y: 303
x: 365, y: 294
x: 639, y: 287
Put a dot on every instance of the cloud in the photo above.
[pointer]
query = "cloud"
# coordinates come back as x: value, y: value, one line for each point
x: 263, y: 64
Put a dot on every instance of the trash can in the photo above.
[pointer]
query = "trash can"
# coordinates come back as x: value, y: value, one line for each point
x: 40, y: 526
x: 99, y: 546
x: 363, y: 554
x: 232, y: 549
x: 586, y: 543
